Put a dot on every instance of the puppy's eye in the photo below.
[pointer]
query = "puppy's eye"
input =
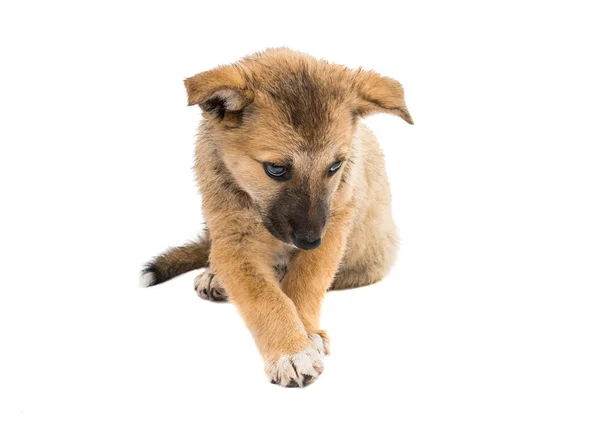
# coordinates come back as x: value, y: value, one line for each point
x: 277, y: 172
x: 334, y: 168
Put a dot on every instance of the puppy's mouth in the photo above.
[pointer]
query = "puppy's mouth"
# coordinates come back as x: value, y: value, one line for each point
x: 283, y: 236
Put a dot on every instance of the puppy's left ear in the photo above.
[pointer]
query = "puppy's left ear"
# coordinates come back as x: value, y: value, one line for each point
x: 219, y: 91
x: 379, y: 94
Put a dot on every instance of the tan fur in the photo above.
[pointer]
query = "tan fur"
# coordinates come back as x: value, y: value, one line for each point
x: 281, y: 106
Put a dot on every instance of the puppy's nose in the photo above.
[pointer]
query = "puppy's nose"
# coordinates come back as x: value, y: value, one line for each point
x: 306, y: 244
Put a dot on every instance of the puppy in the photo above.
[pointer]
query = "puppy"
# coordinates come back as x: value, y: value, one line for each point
x: 295, y: 198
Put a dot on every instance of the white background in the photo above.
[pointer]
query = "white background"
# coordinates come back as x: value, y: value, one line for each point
x: 490, y: 318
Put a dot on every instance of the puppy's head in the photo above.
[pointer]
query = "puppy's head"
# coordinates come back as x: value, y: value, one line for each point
x: 284, y: 123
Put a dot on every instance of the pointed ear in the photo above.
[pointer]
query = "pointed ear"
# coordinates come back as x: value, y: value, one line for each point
x: 379, y: 94
x: 219, y: 91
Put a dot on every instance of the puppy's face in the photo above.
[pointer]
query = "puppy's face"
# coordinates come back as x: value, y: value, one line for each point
x: 284, y: 124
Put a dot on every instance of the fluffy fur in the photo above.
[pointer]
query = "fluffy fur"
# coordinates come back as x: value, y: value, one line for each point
x: 287, y: 108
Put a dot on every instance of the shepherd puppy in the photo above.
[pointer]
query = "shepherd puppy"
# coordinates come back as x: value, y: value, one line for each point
x: 295, y: 198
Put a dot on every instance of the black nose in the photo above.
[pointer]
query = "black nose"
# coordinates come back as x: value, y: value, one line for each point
x: 306, y: 244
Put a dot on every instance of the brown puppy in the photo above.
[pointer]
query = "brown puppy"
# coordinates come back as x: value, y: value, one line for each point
x: 295, y: 198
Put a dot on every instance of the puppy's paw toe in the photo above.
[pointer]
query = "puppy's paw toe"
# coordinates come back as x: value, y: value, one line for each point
x: 208, y: 287
x: 320, y: 340
x: 296, y: 370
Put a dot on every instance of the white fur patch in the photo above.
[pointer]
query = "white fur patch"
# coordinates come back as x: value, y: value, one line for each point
x: 322, y: 345
x: 294, y: 367
x: 146, y: 279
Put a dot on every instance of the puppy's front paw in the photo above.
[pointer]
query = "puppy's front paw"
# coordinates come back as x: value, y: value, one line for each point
x: 296, y: 370
x: 208, y: 287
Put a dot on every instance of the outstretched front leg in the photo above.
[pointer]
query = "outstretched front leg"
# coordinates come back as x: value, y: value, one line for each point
x: 311, y: 273
x: 208, y: 285
x: 242, y: 263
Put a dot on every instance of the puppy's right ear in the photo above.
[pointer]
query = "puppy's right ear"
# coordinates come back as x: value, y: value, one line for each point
x: 219, y: 91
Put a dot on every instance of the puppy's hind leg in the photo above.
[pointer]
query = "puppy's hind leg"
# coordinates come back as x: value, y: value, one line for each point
x: 366, y: 271
x: 368, y: 266
x: 356, y: 276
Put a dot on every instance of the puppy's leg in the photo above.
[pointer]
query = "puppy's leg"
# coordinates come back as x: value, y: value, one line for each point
x: 358, y: 276
x: 208, y: 285
x: 370, y: 265
x: 243, y: 265
x: 310, y: 274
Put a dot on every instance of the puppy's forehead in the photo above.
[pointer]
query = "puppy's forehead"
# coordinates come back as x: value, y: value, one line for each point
x: 311, y: 101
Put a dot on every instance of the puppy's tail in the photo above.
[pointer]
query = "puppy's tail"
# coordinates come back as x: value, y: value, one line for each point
x: 176, y: 261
